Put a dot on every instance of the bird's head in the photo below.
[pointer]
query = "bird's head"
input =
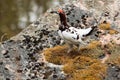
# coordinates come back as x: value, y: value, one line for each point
x: 62, y: 16
x: 60, y: 11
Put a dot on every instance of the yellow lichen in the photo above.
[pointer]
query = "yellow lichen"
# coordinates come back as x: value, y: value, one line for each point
x: 105, y: 26
x: 113, y: 31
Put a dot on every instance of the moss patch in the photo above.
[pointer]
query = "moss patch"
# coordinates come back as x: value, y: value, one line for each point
x: 57, y: 55
x: 83, y: 65
x: 85, y: 68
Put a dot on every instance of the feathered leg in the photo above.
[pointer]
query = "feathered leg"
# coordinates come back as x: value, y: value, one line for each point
x: 70, y: 48
x: 105, y: 58
x: 107, y: 54
x: 79, y: 47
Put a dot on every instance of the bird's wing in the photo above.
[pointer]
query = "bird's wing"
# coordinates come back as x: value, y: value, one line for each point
x: 69, y: 35
x: 83, y: 32
x: 60, y: 34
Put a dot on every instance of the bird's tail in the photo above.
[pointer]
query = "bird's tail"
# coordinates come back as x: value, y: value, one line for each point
x: 90, y: 30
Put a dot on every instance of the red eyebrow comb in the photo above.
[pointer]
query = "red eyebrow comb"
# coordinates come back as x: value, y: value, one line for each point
x: 60, y: 11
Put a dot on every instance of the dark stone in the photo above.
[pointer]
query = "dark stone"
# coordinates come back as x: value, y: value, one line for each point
x: 58, y: 42
x: 30, y: 54
x: 19, y: 71
x: 78, y: 21
x: 6, y: 68
x: 18, y: 58
x: 37, y: 64
x: 36, y: 22
x: 7, y: 78
x: 68, y: 13
x: 33, y: 77
x: 7, y: 56
x: 28, y: 66
x: 10, y: 40
x: 72, y: 24
x: 83, y: 16
x: 55, y: 76
x: 42, y: 64
x: 73, y: 15
x: 6, y: 52
x: 105, y: 22
x: 67, y: 19
x: 1, y: 63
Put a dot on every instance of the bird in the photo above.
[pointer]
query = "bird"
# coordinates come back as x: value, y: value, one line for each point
x: 71, y: 35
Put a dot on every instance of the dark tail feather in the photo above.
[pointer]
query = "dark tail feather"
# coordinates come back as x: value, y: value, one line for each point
x: 90, y: 31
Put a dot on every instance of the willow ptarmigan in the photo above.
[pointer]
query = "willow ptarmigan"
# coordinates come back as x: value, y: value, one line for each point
x: 69, y: 34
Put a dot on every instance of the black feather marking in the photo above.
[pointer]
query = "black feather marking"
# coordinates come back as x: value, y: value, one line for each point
x: 72, y: 32
x: 77, y: 37
x: 63, y: 21
x: 73, y: 37
x: 90, y: 32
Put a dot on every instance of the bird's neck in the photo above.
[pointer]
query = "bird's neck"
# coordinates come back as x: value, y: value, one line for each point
x: 63, y: 21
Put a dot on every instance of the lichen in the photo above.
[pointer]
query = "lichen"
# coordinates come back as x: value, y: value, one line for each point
x: 105, y: 26
x: 112, y: 31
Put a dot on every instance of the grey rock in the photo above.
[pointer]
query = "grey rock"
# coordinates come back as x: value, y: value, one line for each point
x: 22, y: 60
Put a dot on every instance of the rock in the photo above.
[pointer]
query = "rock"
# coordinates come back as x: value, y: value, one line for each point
x: 22, y: 52
x: 113, y: 73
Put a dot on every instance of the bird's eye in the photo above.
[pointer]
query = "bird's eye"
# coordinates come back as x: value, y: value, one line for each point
x: 54, y: 12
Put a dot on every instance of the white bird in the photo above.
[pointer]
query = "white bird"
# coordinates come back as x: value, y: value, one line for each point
x: 71, y: 35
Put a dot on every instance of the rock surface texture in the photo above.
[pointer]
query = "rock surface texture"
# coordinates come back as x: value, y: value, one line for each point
x: 21, y: 56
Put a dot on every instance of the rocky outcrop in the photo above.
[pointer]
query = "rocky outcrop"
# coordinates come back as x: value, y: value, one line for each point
x: 21, y: 56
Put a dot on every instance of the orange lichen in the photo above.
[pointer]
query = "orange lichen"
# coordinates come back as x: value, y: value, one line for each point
x: 113, y: 31
x: 105, y: 26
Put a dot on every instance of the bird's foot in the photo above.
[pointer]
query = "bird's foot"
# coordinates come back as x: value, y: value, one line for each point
x: 78, y: 50
x: 70, y: 47
x: 69, y: 50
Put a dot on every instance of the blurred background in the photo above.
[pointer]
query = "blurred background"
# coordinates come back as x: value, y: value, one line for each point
x: 15, y: 15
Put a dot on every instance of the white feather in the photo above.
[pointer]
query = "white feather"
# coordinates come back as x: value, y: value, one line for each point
x: 70, y: 35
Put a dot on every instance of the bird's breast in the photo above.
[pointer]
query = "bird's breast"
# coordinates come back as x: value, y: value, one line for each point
x: 69, y: 35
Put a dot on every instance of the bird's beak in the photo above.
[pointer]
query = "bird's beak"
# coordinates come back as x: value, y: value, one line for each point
x: 54, y: 12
